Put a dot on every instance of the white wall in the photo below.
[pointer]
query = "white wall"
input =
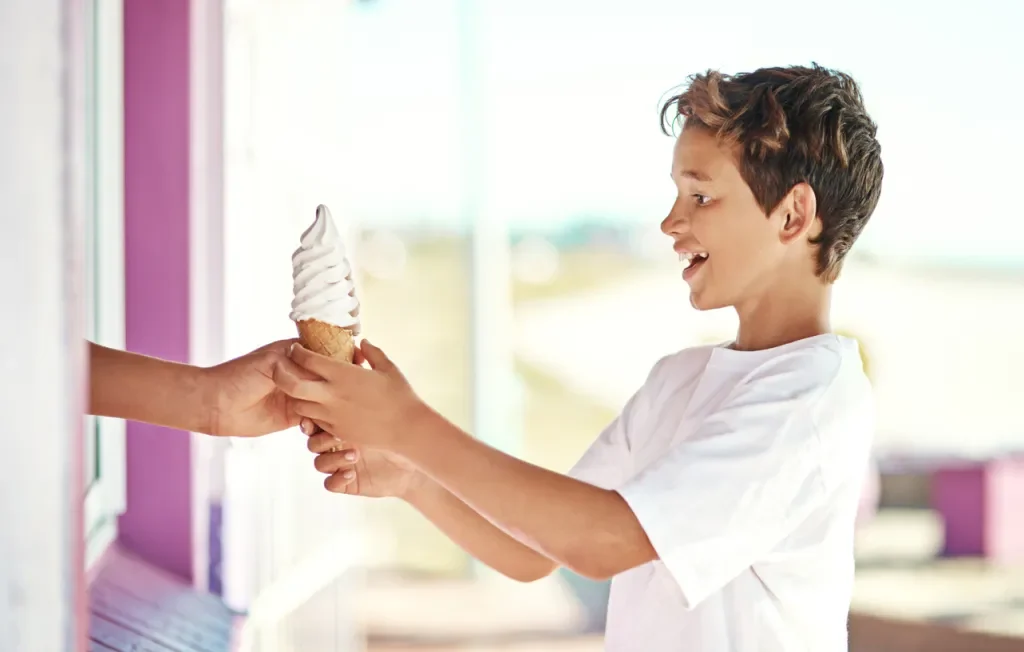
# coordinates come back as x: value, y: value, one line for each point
x: 40, y: 335
x: 285, y: 539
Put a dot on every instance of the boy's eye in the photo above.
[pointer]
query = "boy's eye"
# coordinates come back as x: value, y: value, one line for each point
x: 702, y: 200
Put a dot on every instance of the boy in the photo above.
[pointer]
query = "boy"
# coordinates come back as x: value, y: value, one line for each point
x: 722, y: 499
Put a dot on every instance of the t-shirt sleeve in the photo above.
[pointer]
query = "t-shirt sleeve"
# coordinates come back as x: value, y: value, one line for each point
x: 607, y: 462
x: 730, y: 492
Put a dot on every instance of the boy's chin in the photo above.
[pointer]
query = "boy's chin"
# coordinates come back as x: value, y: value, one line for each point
x: 702, y: 301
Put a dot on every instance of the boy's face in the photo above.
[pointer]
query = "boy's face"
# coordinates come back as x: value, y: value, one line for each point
x: 730, y: 250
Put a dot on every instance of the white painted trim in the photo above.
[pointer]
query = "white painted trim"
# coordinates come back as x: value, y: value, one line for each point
x: 107, y: 497
x: 316, y: 570
x: 240, y: 572
x: 99, y: 541
x: 282, y: 61
x: 42, y: 355
x: 206, y: 255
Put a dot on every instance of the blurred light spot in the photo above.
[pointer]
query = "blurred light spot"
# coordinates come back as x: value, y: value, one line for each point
x: 383, y: 255
x: 535, y: 260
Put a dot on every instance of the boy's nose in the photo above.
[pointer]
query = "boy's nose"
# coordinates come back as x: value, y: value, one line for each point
x: 666, y: 225
x: 673, y: 224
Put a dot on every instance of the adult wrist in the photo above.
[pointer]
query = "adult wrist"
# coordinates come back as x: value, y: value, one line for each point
x: 208, y: 415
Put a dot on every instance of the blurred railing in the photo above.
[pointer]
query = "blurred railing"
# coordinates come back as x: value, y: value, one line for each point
x: 876, y: 634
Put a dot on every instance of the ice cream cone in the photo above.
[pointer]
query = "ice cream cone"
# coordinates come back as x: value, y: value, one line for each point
x: 327, y: 339
x: 325, y: 308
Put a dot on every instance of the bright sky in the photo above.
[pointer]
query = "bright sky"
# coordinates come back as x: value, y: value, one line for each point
x: 572, y: 89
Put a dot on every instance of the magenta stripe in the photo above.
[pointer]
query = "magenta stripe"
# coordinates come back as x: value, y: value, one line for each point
x: 158, y: 524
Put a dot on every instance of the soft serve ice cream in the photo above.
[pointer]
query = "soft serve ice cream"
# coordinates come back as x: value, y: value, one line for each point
x: 325, y: 308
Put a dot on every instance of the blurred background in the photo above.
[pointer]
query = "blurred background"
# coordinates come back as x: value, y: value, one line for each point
x: 500, y: 172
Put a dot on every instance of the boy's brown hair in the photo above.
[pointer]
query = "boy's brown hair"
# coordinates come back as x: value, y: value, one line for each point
x: 792, y: 125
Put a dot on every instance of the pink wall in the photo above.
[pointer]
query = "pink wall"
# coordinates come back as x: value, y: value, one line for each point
x: 979, y: 501
x: 158, y: 524
x: 1004, y: 532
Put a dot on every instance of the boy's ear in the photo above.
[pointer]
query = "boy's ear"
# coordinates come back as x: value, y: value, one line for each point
x: 799, y: 214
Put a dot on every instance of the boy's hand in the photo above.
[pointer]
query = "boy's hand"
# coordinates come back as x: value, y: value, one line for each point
x: 369, y: 472
x: 373, y: 407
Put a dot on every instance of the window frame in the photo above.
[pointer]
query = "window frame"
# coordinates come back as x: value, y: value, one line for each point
x: 105, y: 496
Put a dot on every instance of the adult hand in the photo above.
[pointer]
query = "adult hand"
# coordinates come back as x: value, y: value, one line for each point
x: 244, y: 400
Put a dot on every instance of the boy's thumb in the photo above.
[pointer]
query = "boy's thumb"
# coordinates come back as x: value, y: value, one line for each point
x: 378, y: 360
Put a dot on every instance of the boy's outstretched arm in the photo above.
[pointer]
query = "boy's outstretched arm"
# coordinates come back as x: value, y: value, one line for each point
x: 375, y: 473
x: 589, y: 530
x: 481, y: 539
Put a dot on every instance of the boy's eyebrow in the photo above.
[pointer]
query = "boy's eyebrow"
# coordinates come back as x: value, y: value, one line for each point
x: 696, y: 175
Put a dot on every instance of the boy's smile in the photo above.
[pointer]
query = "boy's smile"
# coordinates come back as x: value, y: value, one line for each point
x: 730, y: 250
x: 691, y: 262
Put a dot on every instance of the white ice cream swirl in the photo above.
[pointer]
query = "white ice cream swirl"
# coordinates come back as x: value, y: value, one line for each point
x: 322, y: 276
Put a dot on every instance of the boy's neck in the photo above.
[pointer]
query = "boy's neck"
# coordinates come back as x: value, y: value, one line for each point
x: 784, y: 315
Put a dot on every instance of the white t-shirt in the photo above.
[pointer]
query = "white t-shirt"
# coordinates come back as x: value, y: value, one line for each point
x: 744, y: 469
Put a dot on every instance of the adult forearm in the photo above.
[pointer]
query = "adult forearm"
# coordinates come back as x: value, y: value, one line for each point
x: 477, y: 536
x: 140, y: 388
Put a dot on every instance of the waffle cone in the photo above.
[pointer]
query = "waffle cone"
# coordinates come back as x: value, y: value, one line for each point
x: 327, y: 339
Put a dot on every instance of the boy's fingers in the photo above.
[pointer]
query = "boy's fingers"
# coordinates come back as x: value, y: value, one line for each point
x: 333, y: 462
x: 293, y: 381
x: 320, y: 365
x: 310, y: 427
x: 358, y: 358
x: 378, y: 359
x: 311, y: 410
x: 340, y: 481
x: 323, y: 442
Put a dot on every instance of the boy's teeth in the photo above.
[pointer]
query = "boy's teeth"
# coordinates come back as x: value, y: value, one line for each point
x: 689, y: 258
